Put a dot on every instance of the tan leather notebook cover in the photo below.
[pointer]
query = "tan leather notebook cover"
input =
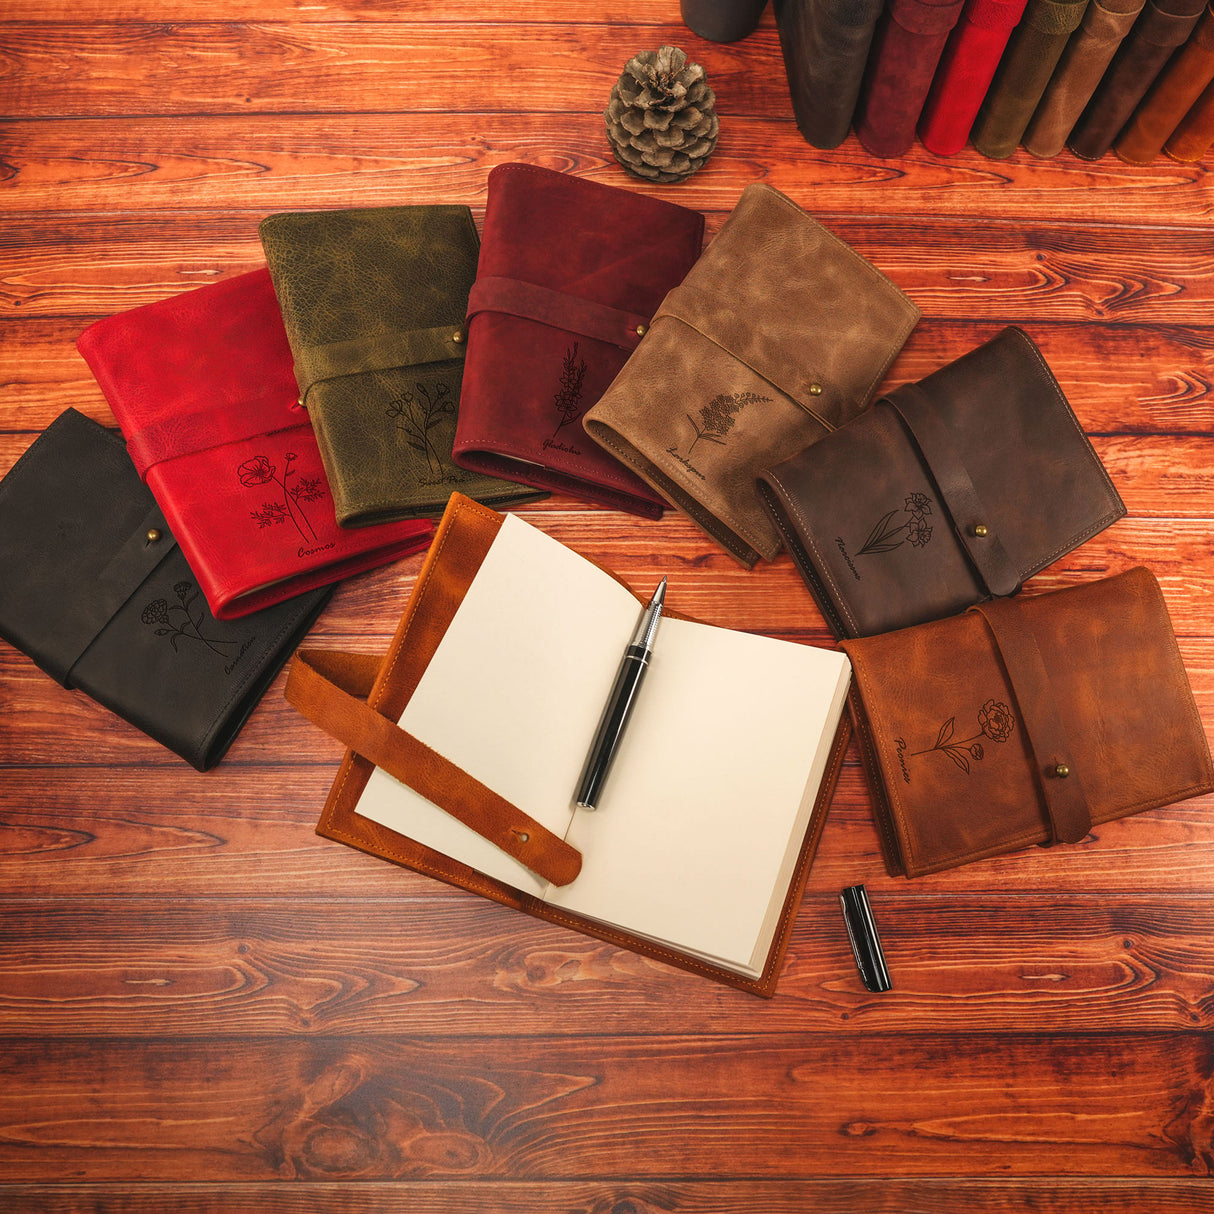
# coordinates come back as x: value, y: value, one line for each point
x: 461, y: 544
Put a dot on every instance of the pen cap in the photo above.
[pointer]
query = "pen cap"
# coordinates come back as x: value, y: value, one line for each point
x: 865, y: 943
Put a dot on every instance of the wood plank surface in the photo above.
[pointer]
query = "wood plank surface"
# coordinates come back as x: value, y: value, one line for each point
x: 207, y: 1008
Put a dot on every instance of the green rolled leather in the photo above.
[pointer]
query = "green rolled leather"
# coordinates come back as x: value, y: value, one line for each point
x: 373, y: 301
x: 1033, y: 52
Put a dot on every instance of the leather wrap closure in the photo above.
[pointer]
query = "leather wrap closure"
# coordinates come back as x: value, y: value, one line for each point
x: 330, y: 689
x: 1063, y: 796
x: 558, y: 309
x: 203, y: 430
x: 957, y: 491
x: 376, y: 352
x: 126, y: 571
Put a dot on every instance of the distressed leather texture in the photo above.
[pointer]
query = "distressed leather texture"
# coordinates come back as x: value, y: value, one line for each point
x: 570, y: 275
x: 373, y: 301
x: 1084, y: 61
x: 721, y: 20
x: 966, y: 68
x: 463, y: 539
x: 101, y: 606
x: 1032, y: 54
x: 779, y: 334
x: 825, y: 44
x: 1162, y: 26
x: 1174, y: 93
x: 1193, y: 136
x: 906, y: 50
x: 203, y: 389
x: 968, y: 724
x: 982, y: 441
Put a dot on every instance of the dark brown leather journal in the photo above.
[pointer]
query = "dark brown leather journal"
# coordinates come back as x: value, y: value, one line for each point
x: 1025, y: 721
x: 944, y: 493
x: 435, y: 815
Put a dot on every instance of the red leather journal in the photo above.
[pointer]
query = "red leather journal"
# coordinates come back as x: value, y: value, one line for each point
x: 203, y: 387
x: 570, y: 274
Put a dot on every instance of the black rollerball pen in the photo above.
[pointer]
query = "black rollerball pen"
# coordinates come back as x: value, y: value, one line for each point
x: 620, y: 702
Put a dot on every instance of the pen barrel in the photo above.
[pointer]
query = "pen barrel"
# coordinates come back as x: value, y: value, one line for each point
x: 614, y: 720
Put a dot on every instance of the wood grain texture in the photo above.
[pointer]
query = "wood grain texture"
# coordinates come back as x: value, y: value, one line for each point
x: 1042, y: 1195
x: 647, y: 1106
x: 205, y: 1007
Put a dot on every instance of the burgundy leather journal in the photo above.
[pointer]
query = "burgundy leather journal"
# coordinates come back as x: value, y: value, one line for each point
x: 570, y: 275
x: 203, y: 388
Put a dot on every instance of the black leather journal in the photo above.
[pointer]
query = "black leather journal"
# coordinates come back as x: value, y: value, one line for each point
x: 97, y: 593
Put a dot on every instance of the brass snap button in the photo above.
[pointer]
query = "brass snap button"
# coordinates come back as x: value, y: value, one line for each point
x: 815, y: 389
x: 153, y: 535
x: 458, y: 336
x: 981, y: 531
x: 1061, y: 770
x: 641, y: 330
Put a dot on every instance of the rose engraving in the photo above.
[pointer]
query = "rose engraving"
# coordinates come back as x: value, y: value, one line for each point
x: 996, y: 723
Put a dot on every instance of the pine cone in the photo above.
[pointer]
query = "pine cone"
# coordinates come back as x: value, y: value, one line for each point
x: 661, y: 119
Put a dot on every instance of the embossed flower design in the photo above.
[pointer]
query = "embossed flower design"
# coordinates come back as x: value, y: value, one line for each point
x: 996, y: 722
x: 180, y: 621
x: 889, y: 533
x: 256, y: 471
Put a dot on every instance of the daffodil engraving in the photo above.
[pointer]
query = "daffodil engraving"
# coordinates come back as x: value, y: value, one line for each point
x: 892, y: 532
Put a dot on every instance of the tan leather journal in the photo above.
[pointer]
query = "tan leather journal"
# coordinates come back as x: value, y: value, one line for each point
x: 779, y: 333
x: 1023, y: 721
x: 467, y: 737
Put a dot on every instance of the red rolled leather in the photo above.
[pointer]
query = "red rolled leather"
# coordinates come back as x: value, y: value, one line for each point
x: 203, y: 386
x: 906, y: 49
x: 966, y: 69
x: 570, y: 274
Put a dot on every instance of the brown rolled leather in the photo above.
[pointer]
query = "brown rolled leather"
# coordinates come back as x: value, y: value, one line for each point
x: 1025, y: 721
x: 1088, y: 53
x: 721, y: 20
x: 1174, y: 93
x: 1162, y: 26
x: 1192, y: 138
x: 1032, y: 53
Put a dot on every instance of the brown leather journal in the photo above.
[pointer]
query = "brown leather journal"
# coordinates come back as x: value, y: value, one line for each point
x: 779, y: 333
x: 360, y: 698
x: 1025, y: 721
x: 944, y: 493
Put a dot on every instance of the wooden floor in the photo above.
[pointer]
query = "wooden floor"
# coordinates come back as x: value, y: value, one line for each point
x: 205, y: 1007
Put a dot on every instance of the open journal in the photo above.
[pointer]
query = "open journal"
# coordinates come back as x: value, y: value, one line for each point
x: 705, y: 829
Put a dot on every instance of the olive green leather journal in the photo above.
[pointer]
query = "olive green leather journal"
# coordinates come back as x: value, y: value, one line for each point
x: 373, y: 301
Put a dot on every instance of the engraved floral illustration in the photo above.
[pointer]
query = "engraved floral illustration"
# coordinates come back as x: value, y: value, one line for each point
x: 296, y: 490
x: 418, y: 413
x: 718, y: 416
x: 916, y: 530
x: 178, y: 621
x: 568, y: 398
x: 996, y: 723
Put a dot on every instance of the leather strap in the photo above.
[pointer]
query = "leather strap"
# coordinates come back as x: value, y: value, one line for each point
x: 1062, y: 794
x: 126, y: 571
x: 558, y: 310
x: 960, y: 498
x: 330, y: 689
x: 208, y: 428
x: 376, y: 352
